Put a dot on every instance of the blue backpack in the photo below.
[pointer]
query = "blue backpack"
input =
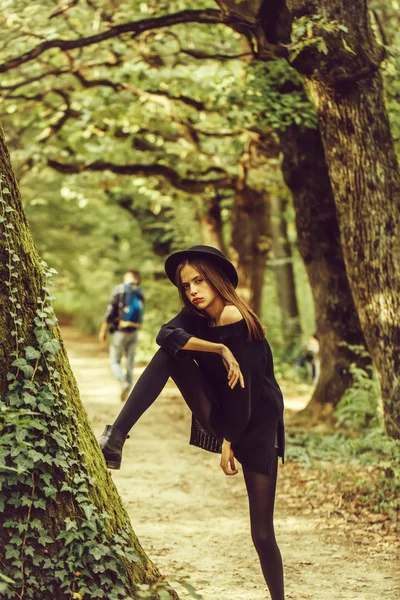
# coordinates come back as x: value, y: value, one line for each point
x: 131, y: 313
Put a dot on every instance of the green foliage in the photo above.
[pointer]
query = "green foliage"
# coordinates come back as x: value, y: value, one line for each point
x: 374, y: 457
x: 360, y: 441
x: 275, y: 98
x: 359, y: 406
x: 39, y: 440
x: 309, y: 32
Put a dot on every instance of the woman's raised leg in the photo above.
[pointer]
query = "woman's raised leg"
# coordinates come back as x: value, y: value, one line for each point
x: 187, y: 376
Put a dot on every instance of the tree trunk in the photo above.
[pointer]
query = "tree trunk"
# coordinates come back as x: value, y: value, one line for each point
x: 251, y: 242
x: 64, y: 532
x: 341, y: 338
x: 346, y: 87
x: 208, y: 213
x: 284, y: 273
x: 341, y: 71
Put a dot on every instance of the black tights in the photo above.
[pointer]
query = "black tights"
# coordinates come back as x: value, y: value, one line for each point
x: 260, y: 488
x: 261, y: 493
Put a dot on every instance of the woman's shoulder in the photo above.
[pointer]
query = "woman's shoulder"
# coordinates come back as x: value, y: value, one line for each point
x: 230, y: 314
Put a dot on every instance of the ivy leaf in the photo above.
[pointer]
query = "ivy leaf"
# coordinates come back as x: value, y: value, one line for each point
x: 70, y: 524
x: 19, y: 362
x: 50, y: 491
x: 191, y: 590
x: 42, y: 335
x: 45, y: 539
x: 60, y: 439
x: 28, y: 385
x: 27, y: 371
x: 31, y: 353
x: 97, y: 553
x: 52, y: 346
x: 89, y: 510
x: 21, y: 434
x: 131, y: 555
x: 11, y: 552
x: 41, y: 503
x: 6, y: 579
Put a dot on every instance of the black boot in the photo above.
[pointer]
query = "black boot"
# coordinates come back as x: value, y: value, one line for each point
x: 111, y: 443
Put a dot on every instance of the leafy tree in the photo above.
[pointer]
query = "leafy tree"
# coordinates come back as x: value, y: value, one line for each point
x: 339, y: 62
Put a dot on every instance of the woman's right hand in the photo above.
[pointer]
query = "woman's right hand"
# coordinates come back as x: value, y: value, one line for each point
x: 232, y: 366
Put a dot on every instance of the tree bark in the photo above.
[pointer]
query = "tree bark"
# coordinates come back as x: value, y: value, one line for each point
x: 282, y: 254
x: 210, y: 221
x: 340, y: 335
x: 251, y: 241
x: 63, y: 529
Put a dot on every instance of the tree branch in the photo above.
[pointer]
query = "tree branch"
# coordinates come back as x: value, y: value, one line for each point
x: 89, y: 83
x: 207, y: 16
x: 222, y: 57
x: 60, y: 10
x: 176, y: 180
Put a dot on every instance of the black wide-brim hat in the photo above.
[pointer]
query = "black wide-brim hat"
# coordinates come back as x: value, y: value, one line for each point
x: 208, y: 253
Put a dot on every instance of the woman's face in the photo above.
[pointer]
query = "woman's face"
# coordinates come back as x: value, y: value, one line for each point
x: 196, y: 288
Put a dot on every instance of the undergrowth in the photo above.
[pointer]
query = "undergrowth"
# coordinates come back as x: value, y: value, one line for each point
x: 357, y: 450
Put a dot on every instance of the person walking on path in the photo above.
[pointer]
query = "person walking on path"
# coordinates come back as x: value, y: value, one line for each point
x: 216, y: 353
x: 123, y: 319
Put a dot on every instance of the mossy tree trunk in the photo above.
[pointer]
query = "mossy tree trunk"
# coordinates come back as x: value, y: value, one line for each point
x: 63, y: 529
x: 341, y: 338
x: 346, y: 88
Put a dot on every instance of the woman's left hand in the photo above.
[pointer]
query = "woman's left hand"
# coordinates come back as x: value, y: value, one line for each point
x: 228, y: 459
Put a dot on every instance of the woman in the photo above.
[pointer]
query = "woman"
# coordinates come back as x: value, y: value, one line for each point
x: 216, y: 353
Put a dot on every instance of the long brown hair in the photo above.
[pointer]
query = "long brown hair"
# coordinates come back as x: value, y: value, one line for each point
x: 217, y: 279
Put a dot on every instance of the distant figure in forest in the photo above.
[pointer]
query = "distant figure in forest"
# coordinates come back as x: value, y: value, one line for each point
x: 311, y: 358
x: 216, y: 353
x: 123, y: 319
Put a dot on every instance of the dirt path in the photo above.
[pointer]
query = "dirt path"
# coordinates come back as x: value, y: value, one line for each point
x: 193, y: 521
